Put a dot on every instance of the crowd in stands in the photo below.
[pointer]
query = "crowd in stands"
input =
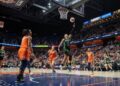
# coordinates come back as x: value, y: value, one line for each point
x: 99, y: 30
x: 54, y: 39
x: 15, y: 39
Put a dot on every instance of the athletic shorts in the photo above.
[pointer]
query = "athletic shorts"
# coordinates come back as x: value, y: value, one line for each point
x: 24, y: 53
x: 68, y: 53
x: 51, y: 59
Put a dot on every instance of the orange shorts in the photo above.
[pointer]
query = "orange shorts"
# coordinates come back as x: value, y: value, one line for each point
x: 51, y: 59
x: 90, y: 59
x: 23, y: 53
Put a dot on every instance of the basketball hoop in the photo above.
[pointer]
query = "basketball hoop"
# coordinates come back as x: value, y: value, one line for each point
x: 63, y: 13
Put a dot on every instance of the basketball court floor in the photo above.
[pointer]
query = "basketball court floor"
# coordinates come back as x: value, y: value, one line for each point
x: 45, y: 77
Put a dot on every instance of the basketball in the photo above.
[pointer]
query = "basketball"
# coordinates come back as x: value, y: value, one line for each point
x: 72, y: 19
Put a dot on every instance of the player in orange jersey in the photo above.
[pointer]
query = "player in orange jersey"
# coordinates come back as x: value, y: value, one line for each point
x: 52, y: 53
x: 90, y: 59
x: 24, y: 54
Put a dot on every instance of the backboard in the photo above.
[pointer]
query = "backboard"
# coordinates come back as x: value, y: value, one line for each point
x: 75, y: 6
x: 64, y: 2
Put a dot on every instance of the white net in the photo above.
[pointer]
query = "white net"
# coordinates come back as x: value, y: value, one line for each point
x: 63, y: 13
